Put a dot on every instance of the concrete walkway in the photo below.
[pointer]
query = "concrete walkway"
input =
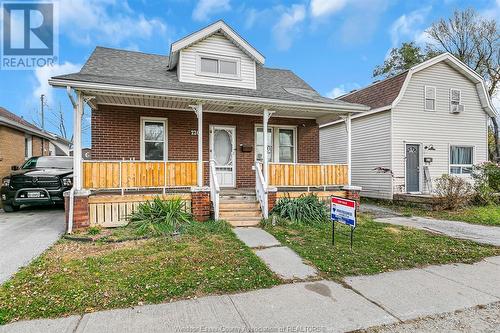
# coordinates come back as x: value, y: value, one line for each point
x: 280, y: 259
x: 474, y: 232
x: 318, y: 306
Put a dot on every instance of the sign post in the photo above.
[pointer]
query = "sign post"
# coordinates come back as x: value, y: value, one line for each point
x: 343, y: 211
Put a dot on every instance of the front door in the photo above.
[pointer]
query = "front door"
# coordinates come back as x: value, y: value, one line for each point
x: 223, y: 152
x: 412, y: 168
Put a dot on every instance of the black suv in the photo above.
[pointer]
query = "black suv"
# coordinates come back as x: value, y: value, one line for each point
x: 40, y: 180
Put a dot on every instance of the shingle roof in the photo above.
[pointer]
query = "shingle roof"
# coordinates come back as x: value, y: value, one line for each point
x: 379, y: 94
x: 15, y: 118
x: 129, y: 68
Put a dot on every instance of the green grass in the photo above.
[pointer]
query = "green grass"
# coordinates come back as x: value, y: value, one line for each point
x: 78, y: 277
x: 377, y: 248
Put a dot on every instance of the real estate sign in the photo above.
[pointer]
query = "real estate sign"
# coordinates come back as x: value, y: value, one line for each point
x: 343, y: 211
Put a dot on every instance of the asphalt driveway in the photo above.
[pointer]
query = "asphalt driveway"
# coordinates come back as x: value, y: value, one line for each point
x: 24, y: 235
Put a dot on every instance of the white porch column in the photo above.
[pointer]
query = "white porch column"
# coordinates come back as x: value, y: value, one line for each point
x: 349, y: 148
x: 77, y: 142
x: 199, y: 114
x: 265, y: 172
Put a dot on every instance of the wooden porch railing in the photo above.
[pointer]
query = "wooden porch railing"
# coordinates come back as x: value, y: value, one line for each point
x: 138, y: 174
x: 307, y: 174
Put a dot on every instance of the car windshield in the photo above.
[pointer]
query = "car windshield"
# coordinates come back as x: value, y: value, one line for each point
x: 48, y: 162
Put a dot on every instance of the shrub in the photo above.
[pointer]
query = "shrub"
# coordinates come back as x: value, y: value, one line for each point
x: 160, y: 217
x: 305, y: 209
x: 453, y: 192
x: 94, y: 230
x: 487, y: 182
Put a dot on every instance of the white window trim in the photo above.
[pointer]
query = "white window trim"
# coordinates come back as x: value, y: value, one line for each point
x: 165, y: 142
x: 218, y: 58
x: 425, y: 98
x: 461, y: 165
x: 275, y: 138
x: 30, y: 146
x: 460, y: 99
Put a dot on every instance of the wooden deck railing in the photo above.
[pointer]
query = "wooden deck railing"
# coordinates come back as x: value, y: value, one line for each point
x: 138, y: 174
x: 306, y: 174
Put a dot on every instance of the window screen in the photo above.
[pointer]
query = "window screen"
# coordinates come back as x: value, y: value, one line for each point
x: 228, y: 67
x: 430, y: 98
x: 455, y: 97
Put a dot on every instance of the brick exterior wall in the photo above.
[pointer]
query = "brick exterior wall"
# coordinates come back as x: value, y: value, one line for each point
x: 116, y: 135
x: 200, y: 205
x: 12, y: 148
x: 271, y: 200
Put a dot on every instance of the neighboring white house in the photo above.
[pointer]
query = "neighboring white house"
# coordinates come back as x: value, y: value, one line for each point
x: 425, y: 122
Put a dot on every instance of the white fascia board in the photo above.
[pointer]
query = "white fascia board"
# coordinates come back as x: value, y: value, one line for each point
x: 206, y: 96
x: 211, y: 29
x: 27, y: 129
x: 358, y: 115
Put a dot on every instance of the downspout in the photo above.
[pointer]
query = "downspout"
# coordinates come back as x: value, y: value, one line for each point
x: 72, y: 191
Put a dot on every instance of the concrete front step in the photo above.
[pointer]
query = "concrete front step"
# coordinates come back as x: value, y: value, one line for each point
x: 238, y: 205
x: 243, y: 197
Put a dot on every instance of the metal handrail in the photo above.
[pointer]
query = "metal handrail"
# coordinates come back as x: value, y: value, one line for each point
x: 214, y: 189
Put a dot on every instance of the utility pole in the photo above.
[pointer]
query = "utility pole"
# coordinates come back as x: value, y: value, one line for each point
x: 42, y: 97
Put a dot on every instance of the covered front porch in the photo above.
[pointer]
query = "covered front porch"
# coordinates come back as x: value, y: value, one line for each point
x: 157, y: 143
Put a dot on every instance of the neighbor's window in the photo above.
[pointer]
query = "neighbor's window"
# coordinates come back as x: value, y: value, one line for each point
x: 455, y: 97
x: 280, y: 143
x: 461, y: 160
x: 430, y: 98
x: 222, y: 67
x: 153, y: 145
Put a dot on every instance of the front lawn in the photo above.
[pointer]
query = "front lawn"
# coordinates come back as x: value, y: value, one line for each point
x: 77, y: 277
x: 377, y: 247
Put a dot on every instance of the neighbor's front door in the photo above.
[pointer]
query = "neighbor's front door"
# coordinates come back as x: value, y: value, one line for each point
x: 412, y: 168
x: 223, y: 152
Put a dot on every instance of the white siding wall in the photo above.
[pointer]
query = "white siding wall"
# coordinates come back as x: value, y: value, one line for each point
x: 440, y: 128
x: 371, y: 148
x: 332, y: 144
x: 216, y: 44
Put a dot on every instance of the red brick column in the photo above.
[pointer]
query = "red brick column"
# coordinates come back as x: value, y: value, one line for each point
x: 271, y: 200
x: 353, y: 193
x: 200, y: 205
x: 80, y: 210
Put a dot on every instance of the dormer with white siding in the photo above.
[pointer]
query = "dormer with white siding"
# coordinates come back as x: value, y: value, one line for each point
x: 215, y: 55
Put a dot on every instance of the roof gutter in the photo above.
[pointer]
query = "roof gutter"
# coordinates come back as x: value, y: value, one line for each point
x: 359, y: 115
x: 354, y: 108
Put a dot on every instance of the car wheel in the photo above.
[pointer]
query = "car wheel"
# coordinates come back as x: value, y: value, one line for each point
x: 10, y: 208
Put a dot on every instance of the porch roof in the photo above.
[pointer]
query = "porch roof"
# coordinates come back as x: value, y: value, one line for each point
x: 147, y: 76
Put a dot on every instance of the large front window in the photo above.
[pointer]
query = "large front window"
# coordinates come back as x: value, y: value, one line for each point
x: 280, y: 144
x: 461, y: 160
x: 153, y: 139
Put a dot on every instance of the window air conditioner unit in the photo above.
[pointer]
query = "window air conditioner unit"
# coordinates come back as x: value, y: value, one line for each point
x: 457, y: 108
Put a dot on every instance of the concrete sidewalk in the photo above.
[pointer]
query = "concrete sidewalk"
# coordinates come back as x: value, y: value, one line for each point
x: 319, y: 306
x: 474, y: 232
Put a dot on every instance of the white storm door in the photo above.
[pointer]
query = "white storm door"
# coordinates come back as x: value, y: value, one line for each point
x: 223, y: 152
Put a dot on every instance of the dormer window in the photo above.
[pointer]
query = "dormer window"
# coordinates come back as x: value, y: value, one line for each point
x: 223, y: 67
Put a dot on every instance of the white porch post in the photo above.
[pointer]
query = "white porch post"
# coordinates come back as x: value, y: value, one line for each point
x: 199, y: 114
x: 77, y: 142
x: 267, y: 115
x: 349, y: 148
